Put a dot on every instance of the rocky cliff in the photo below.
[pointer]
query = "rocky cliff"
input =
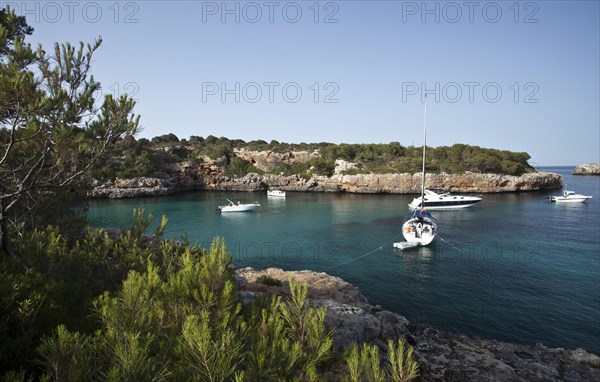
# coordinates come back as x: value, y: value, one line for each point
x: 587, y: 169
x: 268, y: 160
x: 185, y: 177
x: 442, y: 356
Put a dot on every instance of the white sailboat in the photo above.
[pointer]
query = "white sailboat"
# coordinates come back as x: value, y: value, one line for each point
x: 420, y: 227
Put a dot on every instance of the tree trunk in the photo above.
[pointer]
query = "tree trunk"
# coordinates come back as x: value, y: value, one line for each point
x: 4, y: 232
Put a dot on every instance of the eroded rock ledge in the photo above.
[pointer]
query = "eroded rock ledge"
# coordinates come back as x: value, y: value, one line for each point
x: 587, y: 169
x: 442, y: 356
x: 186, y: 178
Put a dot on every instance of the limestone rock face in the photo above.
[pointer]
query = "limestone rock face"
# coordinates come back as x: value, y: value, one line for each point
x: 587, y: 169
x: 207, y: 174
x: 268, y: 160
x: 395, y: 183
x: 343, y: 165
x: 188, y: 178
x: 135, y: 187
x: 441, y: 356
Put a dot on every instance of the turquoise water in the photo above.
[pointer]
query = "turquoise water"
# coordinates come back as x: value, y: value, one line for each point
x: 513, y: 268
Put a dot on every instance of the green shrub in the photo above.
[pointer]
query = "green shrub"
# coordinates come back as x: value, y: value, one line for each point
x: 402, y: 366
x: 352, y: 171
x: 382, y: 170
x: 218, y: 151
x: 284, y: 340
x: 287, y: 169
x: 268, y: 280
x: 322, y: 166
x: 133, y: 307
x: 143, y: 157
x: 239, y: 167
x: 364, y: 364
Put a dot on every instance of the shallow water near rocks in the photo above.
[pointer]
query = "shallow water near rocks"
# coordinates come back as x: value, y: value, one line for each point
x: 513, y: 268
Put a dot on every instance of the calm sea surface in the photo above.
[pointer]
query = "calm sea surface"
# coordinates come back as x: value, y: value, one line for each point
x: 513, y: 268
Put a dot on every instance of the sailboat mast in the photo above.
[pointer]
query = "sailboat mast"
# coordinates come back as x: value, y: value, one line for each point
x: 424, y: 146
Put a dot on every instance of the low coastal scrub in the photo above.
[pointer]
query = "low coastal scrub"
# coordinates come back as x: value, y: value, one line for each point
x: 364, y: 364
x: 131, y: 307
x: 268, y: 280
x: 132, y: 158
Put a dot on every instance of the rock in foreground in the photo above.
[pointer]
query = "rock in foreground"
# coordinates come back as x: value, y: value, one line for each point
x: 442, y: 356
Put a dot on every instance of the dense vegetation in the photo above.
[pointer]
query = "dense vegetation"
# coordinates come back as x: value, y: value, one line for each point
x: 144, y: 157
x: 52, y: 127
x: 128, y: 307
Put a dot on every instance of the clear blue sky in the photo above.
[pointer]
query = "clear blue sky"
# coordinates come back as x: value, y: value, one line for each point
x: 187, y: 61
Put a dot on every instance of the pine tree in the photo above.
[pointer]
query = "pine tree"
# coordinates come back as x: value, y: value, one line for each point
x: 52, y: 127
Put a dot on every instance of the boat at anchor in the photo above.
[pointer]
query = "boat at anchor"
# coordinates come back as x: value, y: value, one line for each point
x: 238, y: 207
x: 276, y: 193
x: 444, y: 201
x: 420, y: 227
x: 569, y: 197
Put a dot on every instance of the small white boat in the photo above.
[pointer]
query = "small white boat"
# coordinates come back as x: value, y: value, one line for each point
x: 445, y: 201
x: 276, y: 193
x: 569, y: 197
x: 238, y: 207
x: 403, y: 245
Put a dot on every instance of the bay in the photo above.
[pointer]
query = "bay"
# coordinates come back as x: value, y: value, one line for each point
x: 513, y: 268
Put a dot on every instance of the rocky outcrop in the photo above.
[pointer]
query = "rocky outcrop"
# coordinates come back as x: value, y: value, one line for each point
x: 343, y: 165
x: 207, y: 174
x: 268, y: 160
x: 442, y: 356
x: 411, y: 183
x: 587, y: 169
x: 393, y: 183
x: 361, y: 183
x: 131, y: 188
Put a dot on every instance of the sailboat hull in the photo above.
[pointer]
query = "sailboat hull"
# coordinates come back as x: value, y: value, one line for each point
x: 444, y: 204
x: 423, y: 235
x: 420, y: 227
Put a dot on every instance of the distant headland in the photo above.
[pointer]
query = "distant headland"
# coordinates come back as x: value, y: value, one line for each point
x: 166, y: 164
x: 587, y: 169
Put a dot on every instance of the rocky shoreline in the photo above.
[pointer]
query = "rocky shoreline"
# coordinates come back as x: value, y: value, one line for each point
x: 187, y: 179
x: 442, y: 356
x: 587, y: 169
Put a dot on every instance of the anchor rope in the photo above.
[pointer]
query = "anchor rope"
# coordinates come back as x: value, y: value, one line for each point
x: 380, y: 248
x: 450, y: 244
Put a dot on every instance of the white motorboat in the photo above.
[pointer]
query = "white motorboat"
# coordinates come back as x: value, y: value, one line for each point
x: 569, y: 197
x: 444, y: 201
x: 420, y: 227
x: 238, y: 207
x: 276, y: 193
